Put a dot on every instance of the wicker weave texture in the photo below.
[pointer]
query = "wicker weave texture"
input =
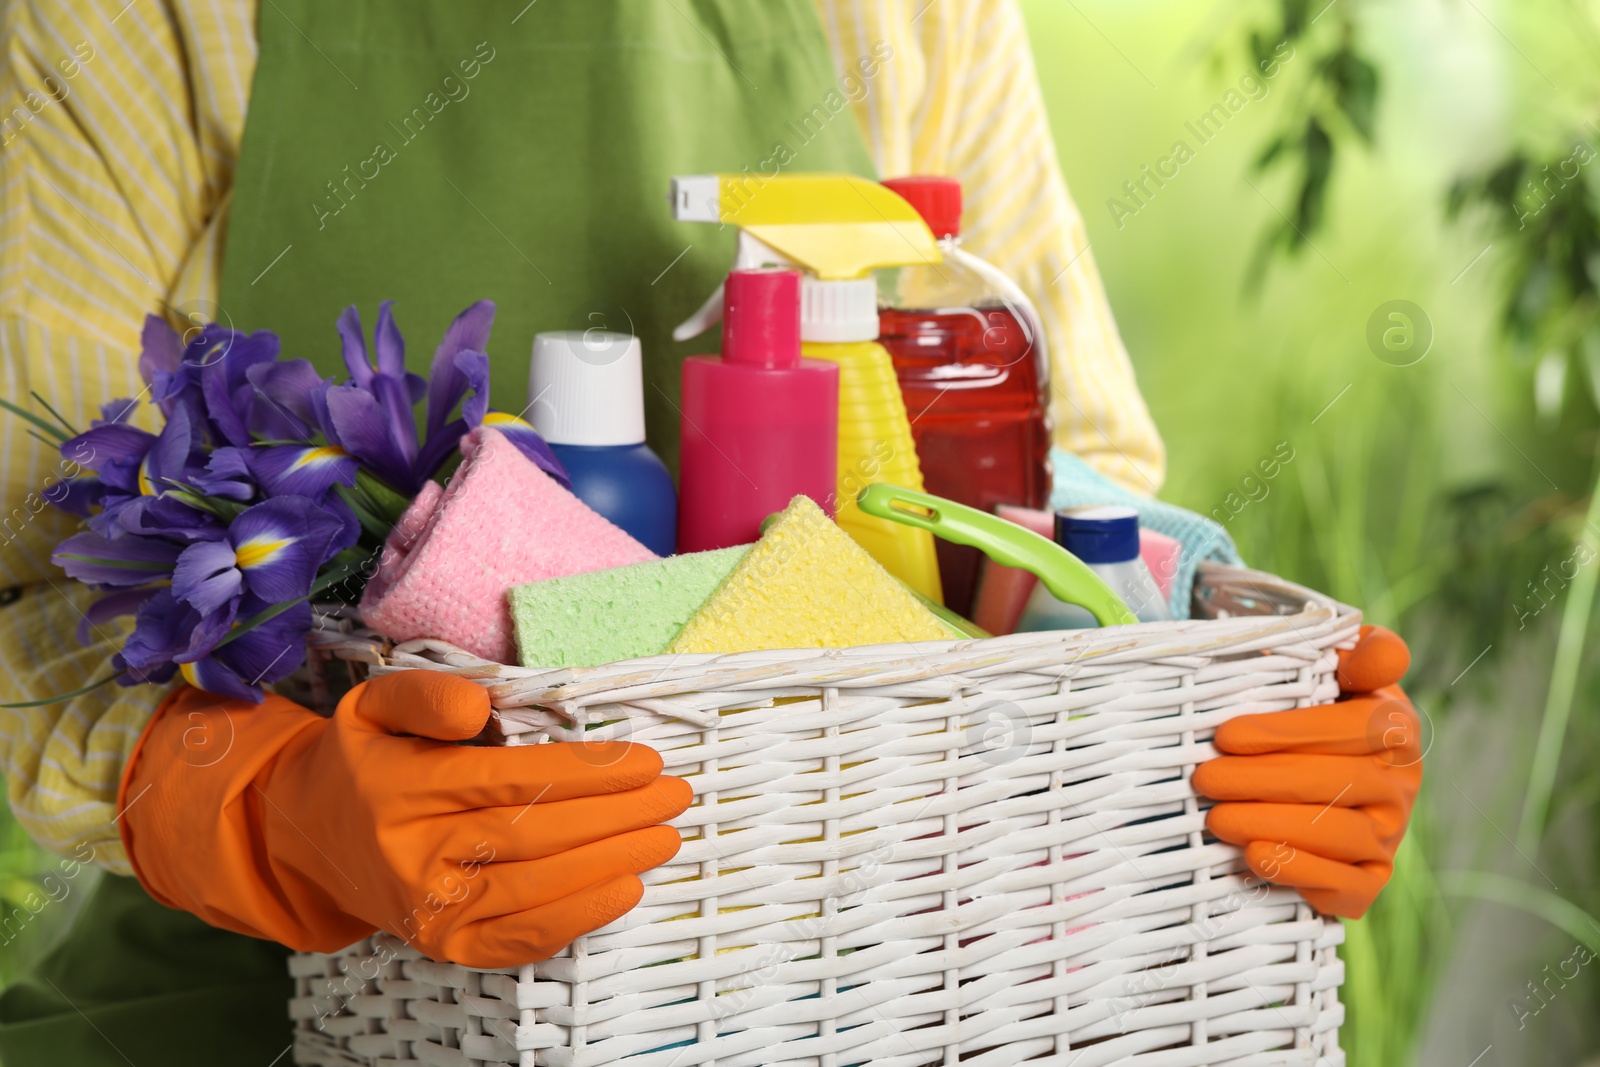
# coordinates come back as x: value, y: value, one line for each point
x: 977, y: 853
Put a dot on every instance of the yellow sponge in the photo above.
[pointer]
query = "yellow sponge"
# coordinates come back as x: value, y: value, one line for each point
x: 806, y: 584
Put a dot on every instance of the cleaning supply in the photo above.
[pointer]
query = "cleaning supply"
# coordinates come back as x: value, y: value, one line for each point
x: 455, y: 551
x: 586, y: 398
x: 807, y: 584
x: 970, y: 354
x: 1107, y: 539
x: 1003, y: 591
x: 1059, y: 571
x: 1203, y: 539
x: 316, y: 831
x: 1159, y: 552
x: 760, y: 424
x: 584, y: 620
x: 839, y: 229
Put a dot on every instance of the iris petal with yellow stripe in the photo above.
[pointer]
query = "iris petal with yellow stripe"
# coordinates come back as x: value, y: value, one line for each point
x: 303, y: 470
x: 271, y: 551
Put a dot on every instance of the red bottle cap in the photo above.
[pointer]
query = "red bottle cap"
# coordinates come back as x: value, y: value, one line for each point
x: 761, y: 318
x: 937, y: 200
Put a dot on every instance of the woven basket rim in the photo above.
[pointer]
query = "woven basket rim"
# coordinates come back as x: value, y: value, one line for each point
x: 567, y: 691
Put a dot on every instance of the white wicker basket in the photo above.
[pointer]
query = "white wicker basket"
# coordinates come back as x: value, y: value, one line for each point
x: 977, y: 853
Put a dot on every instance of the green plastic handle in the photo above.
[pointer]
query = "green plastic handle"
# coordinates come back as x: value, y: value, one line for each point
x: 1064, y: 574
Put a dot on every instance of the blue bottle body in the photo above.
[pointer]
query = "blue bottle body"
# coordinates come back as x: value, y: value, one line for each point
x: 629, y: 485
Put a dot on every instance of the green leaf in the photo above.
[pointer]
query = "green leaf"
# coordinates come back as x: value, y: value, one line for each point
x: 46, y: 405
x: 371, y: 523
x: 1294, y: 17
x: 1560, y: 695
x: 119, y: 564
x: 1354, y: 84
x: 227, y: 510
x: 353, y: 558
x: 1313, y: 197
x: 22, y: 413
x: 1357, y: 94
x: 1275, y: 148
x: 64, y: 696
x: 1556, y: 910
x: 1589, y: 356
x: 384, y: 501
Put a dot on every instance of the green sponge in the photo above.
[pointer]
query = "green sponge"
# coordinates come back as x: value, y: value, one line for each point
x: 584, y: 620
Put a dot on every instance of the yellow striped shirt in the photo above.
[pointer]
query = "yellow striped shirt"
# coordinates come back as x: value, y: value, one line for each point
x: 119, y: 135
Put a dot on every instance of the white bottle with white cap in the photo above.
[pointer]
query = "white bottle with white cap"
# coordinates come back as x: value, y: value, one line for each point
x: 586, y: 398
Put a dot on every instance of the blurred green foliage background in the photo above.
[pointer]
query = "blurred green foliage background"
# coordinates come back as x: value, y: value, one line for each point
x: 1446, y: 497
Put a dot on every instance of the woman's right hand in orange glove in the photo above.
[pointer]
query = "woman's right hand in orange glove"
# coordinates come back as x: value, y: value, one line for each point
x: 273, y: 821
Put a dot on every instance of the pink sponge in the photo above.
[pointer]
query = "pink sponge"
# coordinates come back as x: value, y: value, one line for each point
x: 500, y: 522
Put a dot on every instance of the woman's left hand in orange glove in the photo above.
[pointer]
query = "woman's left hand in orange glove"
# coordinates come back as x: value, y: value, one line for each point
x: 1319, y: 797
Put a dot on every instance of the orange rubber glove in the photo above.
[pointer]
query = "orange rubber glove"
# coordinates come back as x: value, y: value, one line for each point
x: 1319, y: 797
x: 273, y: 821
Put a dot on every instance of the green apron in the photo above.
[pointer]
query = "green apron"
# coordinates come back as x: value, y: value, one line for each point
x: 436, y: 152
x: 439, y: 153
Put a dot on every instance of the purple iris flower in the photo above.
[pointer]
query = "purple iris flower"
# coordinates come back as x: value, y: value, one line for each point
x: 137, y: 468
x: 116, y: 561
x: 78, y: 496
x: 303, y: 470
x: 269, y: 555
x: 261, y: 656
x: 227, y: 515
x: 110, y: 606
x: 461, y: 369
x: 372, y: 416
x: 272, y: 551
x: 289, y: 409
x: 168, y: 632
x: 209, y: 376
x: 171, y: 637
x: 114, y: 442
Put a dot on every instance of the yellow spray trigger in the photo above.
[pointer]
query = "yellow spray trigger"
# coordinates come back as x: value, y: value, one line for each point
x: 836, y: 226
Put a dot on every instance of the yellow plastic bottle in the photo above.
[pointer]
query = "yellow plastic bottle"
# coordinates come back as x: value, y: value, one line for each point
x: 838, y: 229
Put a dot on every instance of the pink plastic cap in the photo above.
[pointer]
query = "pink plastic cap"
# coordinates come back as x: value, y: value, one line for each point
x: 937, y: 200
x: 761, y: 318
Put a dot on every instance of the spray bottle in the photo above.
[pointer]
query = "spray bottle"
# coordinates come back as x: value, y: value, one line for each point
x: 837, y: 229
x: 760, y: 424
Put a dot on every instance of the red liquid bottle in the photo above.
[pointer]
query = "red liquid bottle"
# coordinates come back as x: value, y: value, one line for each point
x: 970, y: 356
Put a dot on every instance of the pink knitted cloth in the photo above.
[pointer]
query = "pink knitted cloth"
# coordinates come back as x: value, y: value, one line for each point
x: 500, y: 522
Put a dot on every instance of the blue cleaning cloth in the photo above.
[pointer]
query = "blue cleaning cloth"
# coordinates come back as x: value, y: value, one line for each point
x: 1077, y: 484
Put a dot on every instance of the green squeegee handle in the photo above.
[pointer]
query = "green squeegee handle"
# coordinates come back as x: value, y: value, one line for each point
x: 1064, y: 574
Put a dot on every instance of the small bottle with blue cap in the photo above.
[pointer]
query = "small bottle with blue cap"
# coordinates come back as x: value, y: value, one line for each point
x: 1107, y: 539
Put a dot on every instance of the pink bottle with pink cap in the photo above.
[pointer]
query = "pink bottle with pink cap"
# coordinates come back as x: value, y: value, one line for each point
x: 760, y: 424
